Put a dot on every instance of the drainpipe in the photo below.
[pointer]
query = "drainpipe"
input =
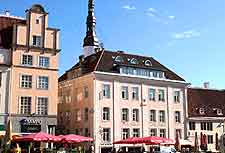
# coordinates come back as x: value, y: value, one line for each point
x: 168, y: 121
x: 113, y: 99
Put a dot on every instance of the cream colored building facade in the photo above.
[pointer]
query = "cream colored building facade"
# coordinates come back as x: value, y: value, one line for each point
x: 4, y: 88
x: 96, y: 105
x: 33, y: 85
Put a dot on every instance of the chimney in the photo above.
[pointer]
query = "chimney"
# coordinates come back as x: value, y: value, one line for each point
x: 206, y: 85
x: 81, y: 59
x: 7, y: 13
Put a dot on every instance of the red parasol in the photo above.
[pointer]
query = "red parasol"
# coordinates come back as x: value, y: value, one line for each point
x: 39, y: 137
x: 151, y: 140
x: 132, y: 140
x: 72, y: 138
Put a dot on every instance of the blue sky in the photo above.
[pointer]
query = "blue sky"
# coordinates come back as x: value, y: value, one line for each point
x: 185, y: 35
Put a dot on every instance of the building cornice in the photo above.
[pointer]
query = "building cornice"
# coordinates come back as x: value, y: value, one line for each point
x: 33, y: 67
x: 142, y: 77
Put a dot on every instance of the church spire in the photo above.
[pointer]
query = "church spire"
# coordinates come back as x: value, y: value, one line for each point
x: 90, y: 40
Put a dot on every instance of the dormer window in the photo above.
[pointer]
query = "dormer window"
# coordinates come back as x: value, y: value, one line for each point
x: 134, y: 61
x: 219, y: 111
x: 119, y: 59
x: 201, y: 111
x: 148, y: 63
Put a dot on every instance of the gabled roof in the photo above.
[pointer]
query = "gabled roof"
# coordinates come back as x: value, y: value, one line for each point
x: 104, y: 61
x: 207, y: 99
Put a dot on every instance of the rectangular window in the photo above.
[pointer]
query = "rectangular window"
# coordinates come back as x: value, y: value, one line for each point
x: 209, y: 126
x: 37, y: 41
x: 43, y: 82
x: 176, y: 96
x: 153, y: 132
x: 135, y: 115
x: 106, y: 90
x: 162, y: 133
x: 124, y: 92
x: 125, y: 114
x: 210, y: 139
x: 125, y: 133
x: 106, y: 134
x: 85, y: 92
x: 162, y: 116
x: 152, y: 94
x: 86, y: 114
x: 136, y: 132
x: 26, y: 81
x: 27, y: 60
x: 203, y: 126
x: 42, y: 106
x: 161, y: 95
x: 177, y: 117
x: 106, y: 114
x: 153, y: 115
x: 135, y: 94
x: 25, y: 105
x: 191, y: 125
x: 43, y: 61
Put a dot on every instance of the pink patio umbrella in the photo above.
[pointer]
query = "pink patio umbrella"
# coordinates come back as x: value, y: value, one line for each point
x: 152, y: 140
x: 39, y: 137
x: 132, y: 140
x: 72, y: 138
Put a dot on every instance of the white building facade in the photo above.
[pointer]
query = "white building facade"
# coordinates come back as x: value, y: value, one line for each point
x: 136, y: 107
x: 4, y: 86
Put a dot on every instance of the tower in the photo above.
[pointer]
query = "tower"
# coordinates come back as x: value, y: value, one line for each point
x: 91, y: 42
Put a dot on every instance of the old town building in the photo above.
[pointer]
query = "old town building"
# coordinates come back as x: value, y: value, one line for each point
x: 29, y: 75
x: 206, y: 114
x: 113, y: 95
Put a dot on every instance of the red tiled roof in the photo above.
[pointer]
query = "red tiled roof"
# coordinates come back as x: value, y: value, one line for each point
x: 208, y: 99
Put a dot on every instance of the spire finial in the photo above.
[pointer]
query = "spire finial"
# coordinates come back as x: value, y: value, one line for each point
x: 90, y: 38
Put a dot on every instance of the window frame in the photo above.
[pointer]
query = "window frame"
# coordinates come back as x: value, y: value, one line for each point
x: 39, y: 109
x: 42, y: 61
x: 125, y: 114
x: 161, y: 95
x: 106, y: 114
x: 26, y: 62
x: 28, y: 82
x: 42, y: 85
x: 22, y: 107
x: 162, y: 116
x: 152, y: 118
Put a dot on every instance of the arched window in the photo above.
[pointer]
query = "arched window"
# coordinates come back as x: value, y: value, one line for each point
x: 134, y: 61
x: 148, y: 63
x: 119, y: 59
